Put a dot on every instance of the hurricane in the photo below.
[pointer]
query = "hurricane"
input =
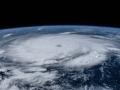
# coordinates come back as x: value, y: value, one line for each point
x: 59, y: 58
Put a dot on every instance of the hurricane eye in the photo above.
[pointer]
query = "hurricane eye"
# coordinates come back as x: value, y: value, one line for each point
x: 58, y: 45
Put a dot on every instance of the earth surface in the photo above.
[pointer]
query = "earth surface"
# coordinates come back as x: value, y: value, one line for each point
x: 60, y: 58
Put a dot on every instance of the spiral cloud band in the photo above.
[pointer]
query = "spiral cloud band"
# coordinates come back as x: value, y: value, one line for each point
x: 75, y: 50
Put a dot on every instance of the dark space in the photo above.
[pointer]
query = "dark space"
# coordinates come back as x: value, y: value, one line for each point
x: 22, y: 19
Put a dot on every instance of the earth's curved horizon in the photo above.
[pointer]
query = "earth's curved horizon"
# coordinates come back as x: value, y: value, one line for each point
x: 60, y: 57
